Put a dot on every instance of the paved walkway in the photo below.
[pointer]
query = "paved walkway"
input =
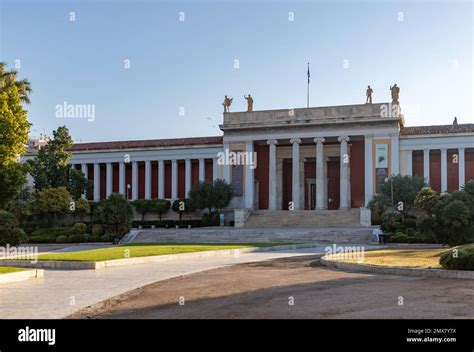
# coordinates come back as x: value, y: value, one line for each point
x: 61, y: 292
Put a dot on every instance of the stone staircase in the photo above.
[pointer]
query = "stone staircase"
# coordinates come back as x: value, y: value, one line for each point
x: 304, y: 218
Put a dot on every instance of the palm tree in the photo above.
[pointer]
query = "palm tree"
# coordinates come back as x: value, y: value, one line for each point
x: 8, y: 79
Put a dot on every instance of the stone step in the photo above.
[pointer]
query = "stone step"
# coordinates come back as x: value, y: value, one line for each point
x: 304, y: 218
x: 256, y: 235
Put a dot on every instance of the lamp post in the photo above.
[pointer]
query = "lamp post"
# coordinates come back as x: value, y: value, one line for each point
x: 128, y: 189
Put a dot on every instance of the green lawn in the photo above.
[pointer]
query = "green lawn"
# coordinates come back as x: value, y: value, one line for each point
x: 6, y: 270
x: 143, y: 250
x: 404, y: 258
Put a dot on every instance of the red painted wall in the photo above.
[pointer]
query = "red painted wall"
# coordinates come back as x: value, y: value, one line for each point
x: 115, y: 178
x: 90, y: 176
x: 357, y: 174
x: 194, y: 171
x: 469, y: 164
x: 261, y: 174
x: 103, y: 181
x: 453, y: 171
x: 435, y: 170
x: 287, y: 183
x: 154, y: 179
x: 168, y: 179
x: 208, y: 170
x: 141, y: 180
x: 309, y: 172
x: 128, y: 180
x: 417, y: 163
x: 181, y: 180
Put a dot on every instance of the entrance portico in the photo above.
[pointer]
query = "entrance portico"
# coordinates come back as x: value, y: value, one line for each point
x: 313, y: 158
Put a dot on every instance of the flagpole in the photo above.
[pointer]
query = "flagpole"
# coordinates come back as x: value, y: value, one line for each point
x: 307, y: 93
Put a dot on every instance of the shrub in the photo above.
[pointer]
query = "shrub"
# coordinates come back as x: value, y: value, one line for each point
x: 460, y: 258
x: 160, y: 206
x: 211, y: 195
x: 182, y: 206
x: 80, y: 228
x: 410, y: 231
x: 105, y: 238
x: 143, y: 206
x: 52, y: 202
x: 61, y: 239
x: 97, y: 230
x: 118, y: 214
x: 378, y: 205
x: 426, y: 199
x: 53, y: 232
x: 400, y: 237
x: 409, y: 223
x: 391, y: 221
x: 10, y: 233
x: 86, y: 237
x: 405, y: 189
x: 210, y: 219
x: 77, y: 238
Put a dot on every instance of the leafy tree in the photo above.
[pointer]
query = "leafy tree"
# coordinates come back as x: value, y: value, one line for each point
x: 160, y: 206
x: 78, y: 184
x: 182, y: 206
x: 455, y: 217
x: 405, y: 189
x: 378, y: 205
x: 51, y: 168
x: 22, y: 209
x: 81, y: 207
x: 143, y: 206
x: 8, y: 81
x: 12, y: 179
x: 426, y: 199
x: 10, y: 233
x: 52, y: 202
x: 118, y: 214
x: 211, y: 195
x: 14, y: 128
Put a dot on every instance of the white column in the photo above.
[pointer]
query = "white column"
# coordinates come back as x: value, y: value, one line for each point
x: 319, y: 173
x: 187, y: 177
x: 122, y: 186
x: 344, y: 175
x: 444, y: 170
x: 410, y: 162
x: 109, y: 176
x: 462, y: 167
x: 148, y: 179
x: 225, y: 166
x: 96, y: 182
x: 161, y: 179
x: 272, y: 192
x: 249, y: 178
x: 202, y: 170
x: 134, y: 180
x: 215, y: 174
x: 426, y: 165
x: 296, y: 173
x: 368, y: 168
x: 174, y: 179
x: 394, y: 151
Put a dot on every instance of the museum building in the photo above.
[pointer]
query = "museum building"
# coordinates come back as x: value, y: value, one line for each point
x: 333, y: 157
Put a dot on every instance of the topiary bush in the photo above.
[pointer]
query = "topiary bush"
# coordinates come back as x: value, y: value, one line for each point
x: 459, y: 258
x: 61, y: 239
x: 97, y: 230
x: 105, y: 238
x: 80, y: 228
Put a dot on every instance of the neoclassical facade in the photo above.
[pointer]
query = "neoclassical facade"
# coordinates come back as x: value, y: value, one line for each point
x: 310, y: 158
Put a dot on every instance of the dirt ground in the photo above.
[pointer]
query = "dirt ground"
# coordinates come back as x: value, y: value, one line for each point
x: 296, y: 287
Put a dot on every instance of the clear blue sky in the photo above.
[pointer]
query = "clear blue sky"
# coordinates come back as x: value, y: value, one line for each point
x: 190, y: 64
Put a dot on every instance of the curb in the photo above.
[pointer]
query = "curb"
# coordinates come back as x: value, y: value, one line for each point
x: 21, y: 276
x: 438, y: 273
x: 76, y: 265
